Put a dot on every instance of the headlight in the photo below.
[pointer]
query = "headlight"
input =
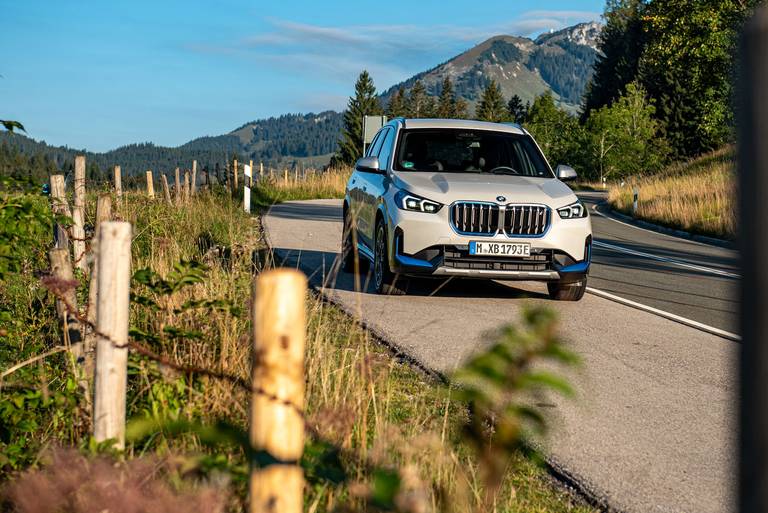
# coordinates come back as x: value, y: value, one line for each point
x: 573, y: 211
x: 407, y: 201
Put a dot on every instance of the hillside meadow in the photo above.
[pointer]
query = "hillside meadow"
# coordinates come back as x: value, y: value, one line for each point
x: 697, y: 196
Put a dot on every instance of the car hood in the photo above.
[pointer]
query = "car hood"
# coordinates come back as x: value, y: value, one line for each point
x: 449, y: 187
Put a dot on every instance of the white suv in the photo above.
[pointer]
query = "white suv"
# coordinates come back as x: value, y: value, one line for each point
x: 456, y: 198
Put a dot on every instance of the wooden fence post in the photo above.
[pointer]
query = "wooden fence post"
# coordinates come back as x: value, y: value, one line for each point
x: 177, y: 187
x: 285, y: 177
x: 118, y: 183
x: 112, y: 332
x: 78, y: 215
x: 103, y: 214
x: 60, y: 207
x: 250, y: 181
x: 186, y: 187
x: 150, y: 186
x: 261, y: 169
x: 166, y: 189
x: 194, y: 177
x: 61, y: 270
x: 277, y: 401
x: 235, y: 173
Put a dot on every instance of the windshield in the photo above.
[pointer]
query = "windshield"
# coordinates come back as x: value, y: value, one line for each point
x: 469, y: 151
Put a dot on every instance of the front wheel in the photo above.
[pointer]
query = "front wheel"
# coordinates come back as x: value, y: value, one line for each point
x: 348, y: 253
x: 385, y: 281
x: 567, y: 291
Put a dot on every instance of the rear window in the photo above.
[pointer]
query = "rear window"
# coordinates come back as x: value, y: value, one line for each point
x: 469, y: 151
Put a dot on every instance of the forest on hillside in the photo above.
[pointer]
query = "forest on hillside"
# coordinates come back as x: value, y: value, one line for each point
x: 278, y: 141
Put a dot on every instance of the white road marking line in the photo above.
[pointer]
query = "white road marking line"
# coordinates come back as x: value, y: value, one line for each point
x: 667, y: 315
x: 678, y: 239
x: 673, y: 261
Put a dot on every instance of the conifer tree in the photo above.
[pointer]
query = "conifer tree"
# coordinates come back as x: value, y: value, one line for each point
x: 419, y: 104
x: 446, y: 103
x: 363, y: 103
x: 491, y: 106
x: 517, y: 110
x: 397, y: 104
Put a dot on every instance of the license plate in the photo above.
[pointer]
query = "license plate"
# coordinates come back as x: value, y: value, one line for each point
x: 504, y: 249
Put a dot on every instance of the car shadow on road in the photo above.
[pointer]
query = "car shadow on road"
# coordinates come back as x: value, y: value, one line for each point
x: 322, y: 270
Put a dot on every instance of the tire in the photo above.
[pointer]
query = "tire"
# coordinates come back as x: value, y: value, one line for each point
x: 347, y: 251
x: 384, y: 280
x: 567, y: 291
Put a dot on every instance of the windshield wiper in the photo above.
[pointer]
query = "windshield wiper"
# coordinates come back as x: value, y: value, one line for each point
x: 504, y: 170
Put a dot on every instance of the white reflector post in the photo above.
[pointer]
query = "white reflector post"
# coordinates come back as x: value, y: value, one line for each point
x: 247, y: 188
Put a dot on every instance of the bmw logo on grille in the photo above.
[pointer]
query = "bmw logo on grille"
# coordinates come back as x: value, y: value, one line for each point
x: 501, y: 199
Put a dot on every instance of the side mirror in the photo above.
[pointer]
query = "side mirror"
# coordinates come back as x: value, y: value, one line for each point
x: 368, y: 165
x: 565, y: 173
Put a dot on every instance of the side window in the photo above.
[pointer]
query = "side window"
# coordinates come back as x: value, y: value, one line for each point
x: 386, y: 149
x: 373, y: 149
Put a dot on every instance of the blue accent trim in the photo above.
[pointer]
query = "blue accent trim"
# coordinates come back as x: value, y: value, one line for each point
x: 409, y: 260
x: 365, y: 252
x: 579, y: 267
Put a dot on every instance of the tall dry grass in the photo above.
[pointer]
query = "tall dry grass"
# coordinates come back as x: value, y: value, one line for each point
x: 377, y: 409
x: 696, y: 196
x: 313, y: 184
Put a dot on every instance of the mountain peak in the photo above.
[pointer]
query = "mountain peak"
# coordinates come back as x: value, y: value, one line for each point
x: 560, y: 61
x: 585, y: 34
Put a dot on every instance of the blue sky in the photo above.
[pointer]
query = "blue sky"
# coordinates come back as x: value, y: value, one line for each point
x: 101, y: 74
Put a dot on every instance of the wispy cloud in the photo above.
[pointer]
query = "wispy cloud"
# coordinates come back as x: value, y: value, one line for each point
x: 390, y: 52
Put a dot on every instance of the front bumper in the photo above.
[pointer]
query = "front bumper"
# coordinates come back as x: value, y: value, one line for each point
x: 426, y: 245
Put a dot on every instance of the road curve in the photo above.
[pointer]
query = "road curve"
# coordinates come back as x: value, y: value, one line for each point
x: 653, y: 427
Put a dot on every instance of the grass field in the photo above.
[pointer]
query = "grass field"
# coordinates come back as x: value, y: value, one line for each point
x: 376, y: 410
x: 319, y: 184
x: 696, y: 196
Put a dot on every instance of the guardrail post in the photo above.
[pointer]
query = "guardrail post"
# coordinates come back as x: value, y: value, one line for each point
x: 635, y: 195
x: 753, y: 242
x: 277, y: 401
x: 112, y: 332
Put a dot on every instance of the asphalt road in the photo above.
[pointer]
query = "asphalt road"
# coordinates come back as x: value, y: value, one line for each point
x: 690, y: 279
x: 653, y: 426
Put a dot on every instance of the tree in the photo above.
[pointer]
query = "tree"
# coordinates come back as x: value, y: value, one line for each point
x: 516, y: 110
x: 624, y: 138
x: 491, y: 106
x: 621, y: 43
x: 688, y: 65
x: 397, y: 105
x: 419, y: 104
x: 448, y: 105
x: 557, y: 132
x: 365, y: 102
